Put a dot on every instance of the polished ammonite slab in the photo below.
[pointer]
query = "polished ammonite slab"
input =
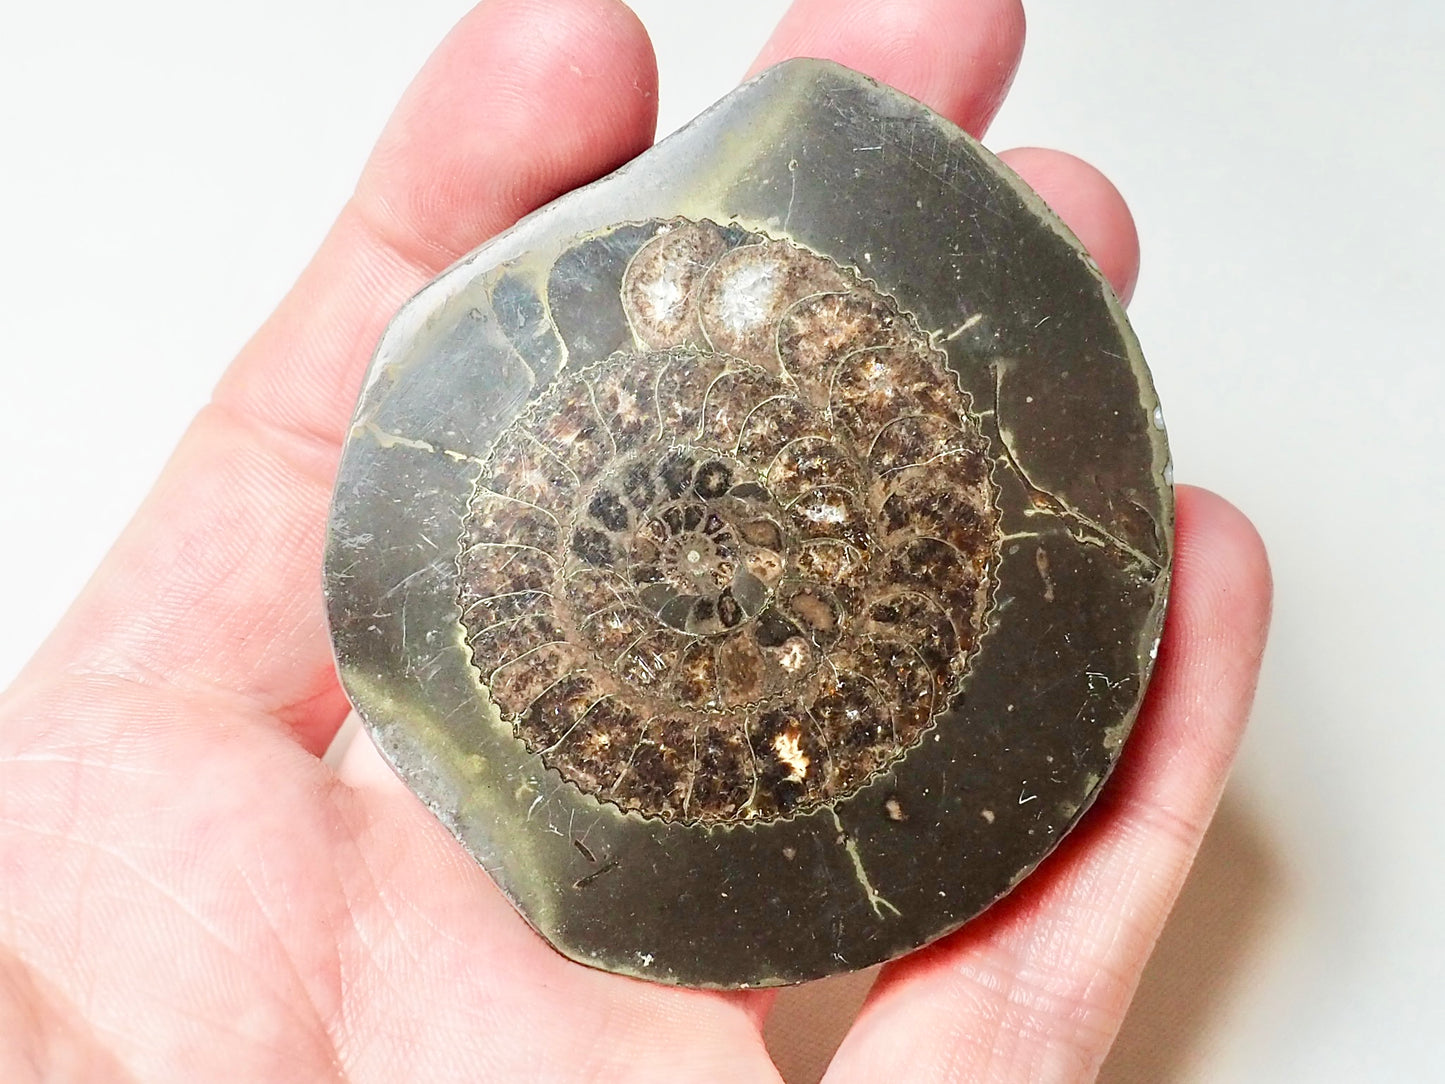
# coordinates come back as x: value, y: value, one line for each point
x: 757, y: 558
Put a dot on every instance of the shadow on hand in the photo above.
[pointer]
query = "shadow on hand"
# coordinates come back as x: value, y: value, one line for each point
x: 1232, y: 892
x: 809, y: 1021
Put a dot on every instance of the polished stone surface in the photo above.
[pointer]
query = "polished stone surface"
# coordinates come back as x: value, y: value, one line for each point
x: 757, y: 558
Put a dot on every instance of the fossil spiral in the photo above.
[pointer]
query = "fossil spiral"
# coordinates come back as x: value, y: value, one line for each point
x: 735, y: 572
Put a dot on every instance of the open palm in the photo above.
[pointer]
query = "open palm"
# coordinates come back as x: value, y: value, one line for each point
x: 188, y: 893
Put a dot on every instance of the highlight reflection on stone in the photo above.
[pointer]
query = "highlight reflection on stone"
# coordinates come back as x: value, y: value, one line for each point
x: 736, y: 571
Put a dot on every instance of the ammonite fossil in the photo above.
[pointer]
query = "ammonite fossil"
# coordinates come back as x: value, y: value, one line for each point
x: 757, y: 558
x: 734, y: 572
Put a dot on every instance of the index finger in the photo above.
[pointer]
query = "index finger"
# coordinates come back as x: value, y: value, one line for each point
x: 215, y: 584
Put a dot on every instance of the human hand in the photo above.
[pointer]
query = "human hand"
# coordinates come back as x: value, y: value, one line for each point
x: 187, y: 892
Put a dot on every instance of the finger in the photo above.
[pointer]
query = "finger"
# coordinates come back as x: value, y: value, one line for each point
x: 1093, y: 208
x: 215, y: 584
x: 1036, y: 988
x: 957, y: 56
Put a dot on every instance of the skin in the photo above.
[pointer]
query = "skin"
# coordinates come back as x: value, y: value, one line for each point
x: 188, y: 893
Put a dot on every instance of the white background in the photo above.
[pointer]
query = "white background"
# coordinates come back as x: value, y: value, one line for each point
x: 167, y: 168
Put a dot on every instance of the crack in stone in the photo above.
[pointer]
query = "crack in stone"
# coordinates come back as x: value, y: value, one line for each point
x: 388, y: 440
x: 875, y: 899
x: 1101, y: 535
